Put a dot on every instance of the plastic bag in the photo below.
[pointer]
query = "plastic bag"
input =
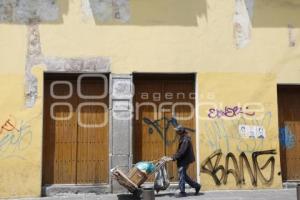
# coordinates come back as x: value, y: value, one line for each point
x: 161, y: 179
x: 146, y: 167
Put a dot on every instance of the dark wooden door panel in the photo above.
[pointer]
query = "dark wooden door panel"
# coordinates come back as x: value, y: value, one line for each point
x: 149, y: 143
x: 289, y: 118
x: 92, y: 159
x: 183, y: 110
x: 75, y: 147
x: 292, y: 152
x: 154, y: 133
x: 60, y: 132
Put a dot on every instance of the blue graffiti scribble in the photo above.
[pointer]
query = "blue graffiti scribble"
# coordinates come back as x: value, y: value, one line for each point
x: 286, y: 138
x: 15, y: 140
x: 220, y: 132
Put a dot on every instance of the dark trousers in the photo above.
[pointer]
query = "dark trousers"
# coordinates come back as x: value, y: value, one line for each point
x: 184, y: 178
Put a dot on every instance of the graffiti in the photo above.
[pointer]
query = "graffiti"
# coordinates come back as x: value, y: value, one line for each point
x: 255, y: 172
x: 286, y: 138
x: 219, y: 133
x: 14, y: 138
x: 8, y: 126
x: 228, y: 112
x: 163, y: 131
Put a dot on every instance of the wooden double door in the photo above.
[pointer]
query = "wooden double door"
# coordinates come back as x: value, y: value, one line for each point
x: 289, y: 131
x: 162, y: 102
x: 75, y: 142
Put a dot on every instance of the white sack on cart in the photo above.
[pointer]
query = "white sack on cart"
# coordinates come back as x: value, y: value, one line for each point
x: 161, y: 179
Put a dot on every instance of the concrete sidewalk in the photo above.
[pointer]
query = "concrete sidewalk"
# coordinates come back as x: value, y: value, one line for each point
x: 284, y: 194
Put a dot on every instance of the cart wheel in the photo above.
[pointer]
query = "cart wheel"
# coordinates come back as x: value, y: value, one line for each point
x: 138, y: 193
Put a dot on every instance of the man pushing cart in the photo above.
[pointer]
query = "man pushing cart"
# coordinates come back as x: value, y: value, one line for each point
x: 142, y: 171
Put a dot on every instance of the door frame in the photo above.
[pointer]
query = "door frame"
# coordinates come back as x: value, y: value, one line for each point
x: 283, y: 165
x: 101, y: 187
x: 197, y: 123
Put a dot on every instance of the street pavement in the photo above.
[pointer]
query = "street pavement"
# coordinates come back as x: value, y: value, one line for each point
x: 283, y: 194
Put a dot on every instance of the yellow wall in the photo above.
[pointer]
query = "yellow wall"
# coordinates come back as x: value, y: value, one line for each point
x: 200, y: 43
x: 21, y: 139
x: 162, y: 36
x: 258, y: 93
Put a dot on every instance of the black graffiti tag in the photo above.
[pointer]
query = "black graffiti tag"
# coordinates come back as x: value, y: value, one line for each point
x: 254, y: 171
x: 163, y: 131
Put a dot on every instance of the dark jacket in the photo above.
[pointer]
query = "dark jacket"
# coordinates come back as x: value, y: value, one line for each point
x: 185, y: 153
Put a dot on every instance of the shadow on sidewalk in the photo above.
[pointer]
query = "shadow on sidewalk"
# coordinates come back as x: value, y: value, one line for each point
x: 127, y: 197
x: 169, y: 194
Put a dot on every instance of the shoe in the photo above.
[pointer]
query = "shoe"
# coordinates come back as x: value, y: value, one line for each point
x: 197, y: 189
x: 181, y: 194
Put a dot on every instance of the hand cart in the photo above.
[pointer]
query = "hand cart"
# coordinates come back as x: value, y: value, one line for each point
x: 133, y: 180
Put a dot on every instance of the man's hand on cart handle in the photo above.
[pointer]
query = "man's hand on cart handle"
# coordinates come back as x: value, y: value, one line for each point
x: 167, y: 159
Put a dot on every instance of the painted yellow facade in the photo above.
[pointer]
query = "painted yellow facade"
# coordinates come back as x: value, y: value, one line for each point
x: 161, y: 36
x: 21, y: 139
x: 255, y: 94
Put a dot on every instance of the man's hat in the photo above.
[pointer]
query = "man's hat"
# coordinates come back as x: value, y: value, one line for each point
x: 180, y: 129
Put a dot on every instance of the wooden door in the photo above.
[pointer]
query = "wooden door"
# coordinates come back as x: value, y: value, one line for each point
x: 74, y: 149
x: 183, y: 106
x: 289, y: 132
x: 154, y: 134
x: 292, y: 153
x: 60, y: 135
x: 148, y: 140
x: 92, y: 153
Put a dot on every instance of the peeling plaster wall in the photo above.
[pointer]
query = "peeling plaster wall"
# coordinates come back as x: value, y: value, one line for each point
x: 153, y: 36
x: 292, y: 36
x: 242, y: 22
x: 106, y: 10
x: 250, y: 7
x: 26, y: 11
x: 193, y: 37
x: 54, y: 64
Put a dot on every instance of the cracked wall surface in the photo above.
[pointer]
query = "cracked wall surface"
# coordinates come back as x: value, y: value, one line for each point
x: 26, y: 11
x: 106, y: 10
x: 292, y: 35
x: 54, y: 64
x: 242, y: 22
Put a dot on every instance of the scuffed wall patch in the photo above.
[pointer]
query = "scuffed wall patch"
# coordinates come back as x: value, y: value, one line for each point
x: 242, y: 22
x: 292, y: 36
x: 86, y: 10
x: 97, y: 64
x: 34, y: 57
x: 55, y: 64
x: 106, y: 10
x: 121, y: 10
x: 250, y: 7
x: 26, y: 11
x: 101, y: 9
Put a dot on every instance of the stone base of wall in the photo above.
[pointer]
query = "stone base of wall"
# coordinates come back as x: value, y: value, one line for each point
x: 56, y: 190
